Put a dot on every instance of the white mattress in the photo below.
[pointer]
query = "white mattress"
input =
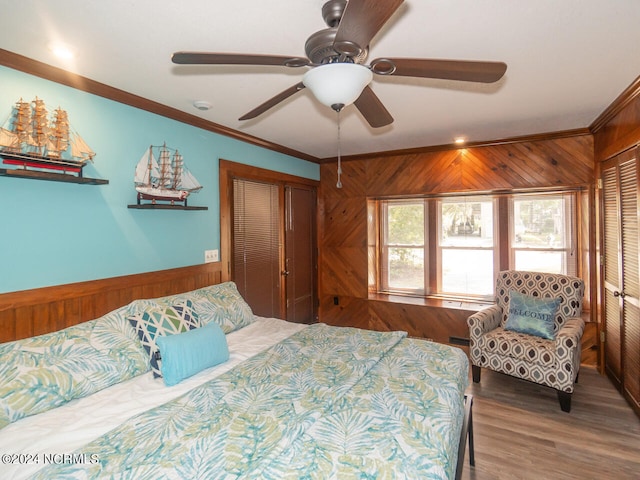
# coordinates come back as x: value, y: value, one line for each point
x: 67, y: 428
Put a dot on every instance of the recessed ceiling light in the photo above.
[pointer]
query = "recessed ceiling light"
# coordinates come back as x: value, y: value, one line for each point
x: 460, y: 140
x: 62, y: 51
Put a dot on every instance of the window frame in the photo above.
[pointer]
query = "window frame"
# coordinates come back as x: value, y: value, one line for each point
x: 384, y: 246
x: 495, y: 248
x: 504, y: 249
x: 570, y: 247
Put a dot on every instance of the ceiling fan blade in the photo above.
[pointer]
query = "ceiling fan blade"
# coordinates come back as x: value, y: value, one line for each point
x: 272, y: 102
x: 372, y: 109
x: 468, y: 71
x: 360, y: 22
x: 203, y: 58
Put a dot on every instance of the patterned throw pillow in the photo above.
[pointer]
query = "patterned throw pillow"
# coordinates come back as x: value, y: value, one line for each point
x: 158, y: 321
x: 532, y: 315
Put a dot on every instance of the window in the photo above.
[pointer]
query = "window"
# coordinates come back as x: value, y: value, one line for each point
x: 542, y: 233
x: 404, y: 247
x: 466, y: 246
x: 450, y: 246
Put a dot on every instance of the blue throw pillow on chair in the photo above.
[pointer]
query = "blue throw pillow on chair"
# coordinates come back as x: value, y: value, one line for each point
x: 532, y: 315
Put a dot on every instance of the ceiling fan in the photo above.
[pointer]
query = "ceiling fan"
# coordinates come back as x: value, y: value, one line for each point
x: 336, y: 55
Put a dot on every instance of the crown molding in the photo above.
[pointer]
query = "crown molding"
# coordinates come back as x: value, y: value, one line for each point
x: 626, y: 97
x: 64, y: 77
x: 453, y: 146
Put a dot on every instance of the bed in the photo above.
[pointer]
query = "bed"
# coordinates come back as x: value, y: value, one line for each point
x: 287, y: 400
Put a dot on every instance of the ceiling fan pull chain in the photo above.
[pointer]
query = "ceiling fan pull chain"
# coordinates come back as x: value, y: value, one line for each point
x: 339, y: 182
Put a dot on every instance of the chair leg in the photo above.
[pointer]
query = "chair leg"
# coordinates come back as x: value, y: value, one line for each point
x: 475, y: 371
x: 565, y: 401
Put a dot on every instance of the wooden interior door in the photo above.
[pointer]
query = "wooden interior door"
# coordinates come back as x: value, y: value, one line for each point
x: 300, y: 254
x: 621, y: 275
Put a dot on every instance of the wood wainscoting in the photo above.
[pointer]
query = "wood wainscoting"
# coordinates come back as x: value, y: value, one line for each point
x: 438, y: 320
x: 42, y: 310
x: 537, y: 163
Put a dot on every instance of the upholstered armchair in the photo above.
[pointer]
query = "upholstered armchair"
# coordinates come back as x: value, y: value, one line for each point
x: 553, y: 361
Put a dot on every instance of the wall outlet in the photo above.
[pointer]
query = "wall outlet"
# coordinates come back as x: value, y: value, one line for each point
x: 211, y: 256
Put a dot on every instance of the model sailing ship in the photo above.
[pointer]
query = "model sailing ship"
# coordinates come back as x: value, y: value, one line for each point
x: 31, y: 139
x: 163, y: 176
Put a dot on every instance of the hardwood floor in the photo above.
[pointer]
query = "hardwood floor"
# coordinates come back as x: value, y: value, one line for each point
x: 521, y: 433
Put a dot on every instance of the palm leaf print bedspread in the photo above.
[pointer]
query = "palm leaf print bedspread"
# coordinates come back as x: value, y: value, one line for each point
x: 327, y: 402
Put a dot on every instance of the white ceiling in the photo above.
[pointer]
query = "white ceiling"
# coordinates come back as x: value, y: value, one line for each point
x: 567, y: 61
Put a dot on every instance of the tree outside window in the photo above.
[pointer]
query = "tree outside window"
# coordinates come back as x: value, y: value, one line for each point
x: 541, y: 237
x: 405, y: 246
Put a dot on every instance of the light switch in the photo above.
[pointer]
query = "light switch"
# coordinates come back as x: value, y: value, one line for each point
x: 211, y: 256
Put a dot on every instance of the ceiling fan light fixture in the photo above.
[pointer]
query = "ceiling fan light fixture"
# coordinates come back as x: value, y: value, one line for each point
x: 337, y: 83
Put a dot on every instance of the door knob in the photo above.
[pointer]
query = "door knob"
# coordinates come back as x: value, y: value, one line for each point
x: 619, y: 294
x: 284, y: 273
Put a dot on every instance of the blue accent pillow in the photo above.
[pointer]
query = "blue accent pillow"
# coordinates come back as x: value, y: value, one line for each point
x: 532, y: 315
x: 185, y: 354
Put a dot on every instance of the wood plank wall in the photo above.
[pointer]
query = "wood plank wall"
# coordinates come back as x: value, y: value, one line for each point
x: 618, y: 128
x: 43, y: 310
x: 344, y: 298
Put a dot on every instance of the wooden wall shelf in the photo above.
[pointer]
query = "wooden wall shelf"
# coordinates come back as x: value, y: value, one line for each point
x: 161, y: 206
x: 53, y: 177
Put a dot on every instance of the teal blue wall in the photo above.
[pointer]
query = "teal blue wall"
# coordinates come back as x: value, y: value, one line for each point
x: 54, y: 233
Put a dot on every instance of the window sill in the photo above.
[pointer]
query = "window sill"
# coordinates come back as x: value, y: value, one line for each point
x: 430, y: 302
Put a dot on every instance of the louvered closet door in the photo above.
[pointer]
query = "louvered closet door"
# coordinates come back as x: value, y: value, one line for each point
x: 256, y: 246
x: 612, y: 282
x: 630, y: 280
x: 621, y: 273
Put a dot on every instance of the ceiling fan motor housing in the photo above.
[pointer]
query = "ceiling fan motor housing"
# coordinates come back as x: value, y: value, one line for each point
x: 332, y: 12
x: 320, y: 45
x: 319, y: 49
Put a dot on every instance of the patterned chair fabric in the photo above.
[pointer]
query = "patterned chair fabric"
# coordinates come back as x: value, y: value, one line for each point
x: 554, y: 363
